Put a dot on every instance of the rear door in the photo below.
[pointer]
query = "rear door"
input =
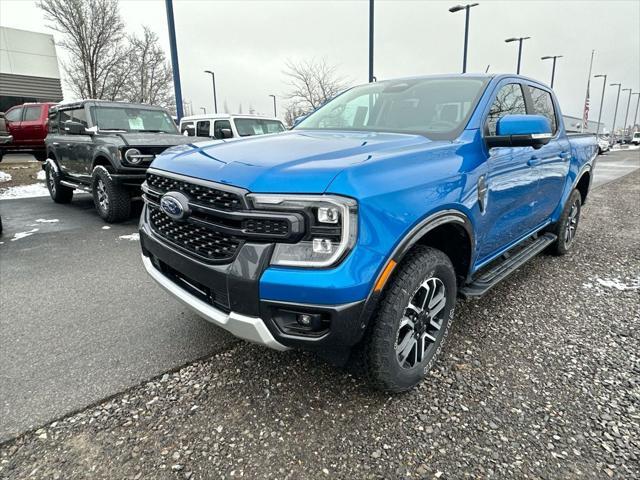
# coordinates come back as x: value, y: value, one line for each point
x: 13, y: 119
x: 79, y: 146
x: 511, y: 183
x: 32, y: 126
x: 203, y: 128
x: 552, y: 160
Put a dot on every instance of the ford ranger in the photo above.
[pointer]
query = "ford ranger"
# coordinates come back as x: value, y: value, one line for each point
x: 353, y: 234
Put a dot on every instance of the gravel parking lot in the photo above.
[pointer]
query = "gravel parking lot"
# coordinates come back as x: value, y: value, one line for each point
x: 539, y: 379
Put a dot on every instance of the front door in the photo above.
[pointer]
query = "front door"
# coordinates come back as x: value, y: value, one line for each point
x: 511, y: 181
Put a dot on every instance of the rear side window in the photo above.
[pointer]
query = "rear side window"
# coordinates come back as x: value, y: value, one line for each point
x: 79, y: 115
x: 219, y: 126
x: 543, y: 105
x: 187, y: 127
x: 509, y: 101
x: 53, y: 122
x: 14, y: 115
x: 202, y: 129
x: 32, y: 113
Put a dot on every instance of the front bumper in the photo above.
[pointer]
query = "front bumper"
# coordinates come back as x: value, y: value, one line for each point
x: 229, y: 295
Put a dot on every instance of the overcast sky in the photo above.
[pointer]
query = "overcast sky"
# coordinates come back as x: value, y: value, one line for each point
x: 248, y: 42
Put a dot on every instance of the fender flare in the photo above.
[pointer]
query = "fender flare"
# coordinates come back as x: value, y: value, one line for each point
x: 423, y: 227
x: 99, y: 155
x: 52, y: 162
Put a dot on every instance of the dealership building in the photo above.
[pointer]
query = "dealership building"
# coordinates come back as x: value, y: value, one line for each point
x: 28, y: 68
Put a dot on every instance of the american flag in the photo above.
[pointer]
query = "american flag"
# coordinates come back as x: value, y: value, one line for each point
x: 585, y: 115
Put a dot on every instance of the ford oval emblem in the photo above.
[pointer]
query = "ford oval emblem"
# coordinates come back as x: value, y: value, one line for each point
x: 175, y: 205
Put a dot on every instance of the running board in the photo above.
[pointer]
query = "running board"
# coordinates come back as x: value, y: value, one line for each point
x: 75, y: 186
x: 510, y: 264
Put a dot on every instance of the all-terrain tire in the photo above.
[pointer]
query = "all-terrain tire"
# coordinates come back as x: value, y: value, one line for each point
x: 112, y: 201
x: 59, y: 193
x: 380, y: 357
x: 565, y: 228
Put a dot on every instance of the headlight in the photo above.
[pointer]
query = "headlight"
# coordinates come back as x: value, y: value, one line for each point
x: 332, y: 225
x: 133, y: 156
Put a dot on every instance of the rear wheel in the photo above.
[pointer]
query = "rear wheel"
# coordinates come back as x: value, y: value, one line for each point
x: 112, y: 201
x: 59, y: 193
x: 567, y: 226
x: 412, y: 322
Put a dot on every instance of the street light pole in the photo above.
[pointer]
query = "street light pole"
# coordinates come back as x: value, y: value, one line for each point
x: 615, y: 113
x: 604, y: 84
x: 275, y: 112
x: 635, y: 116
x: 466, y: 8
x: 553, y: 69
x: 519, y: 40
x: 626, y: 117
x: 174, y: 58
x: 371, y: 41
x: 215, y: 100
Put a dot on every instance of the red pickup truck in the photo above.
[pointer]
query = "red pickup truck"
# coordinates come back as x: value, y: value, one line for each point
x: 28, y: 125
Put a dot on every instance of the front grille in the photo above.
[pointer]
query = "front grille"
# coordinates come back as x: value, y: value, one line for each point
x: 202, y: 241
x: 208, y: 196
x: 266, y: 225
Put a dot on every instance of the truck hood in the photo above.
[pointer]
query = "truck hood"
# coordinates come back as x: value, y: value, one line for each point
x: 156, y: 139
x: 290, y: 162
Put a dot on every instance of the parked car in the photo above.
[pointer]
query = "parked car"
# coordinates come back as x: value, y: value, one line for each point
x: 27, y: 124
x: 353, y: 234
x: 636, y: 138
x: 224, y: 125
x: 603, y: 145
x: 105, y: 148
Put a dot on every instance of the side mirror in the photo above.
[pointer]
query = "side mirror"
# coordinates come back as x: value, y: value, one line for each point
x: 226, y: 133
x: 74, y: 128
x: 521, y: 131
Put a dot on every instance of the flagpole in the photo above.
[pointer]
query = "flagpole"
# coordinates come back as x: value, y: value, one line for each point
x: 585, y: 112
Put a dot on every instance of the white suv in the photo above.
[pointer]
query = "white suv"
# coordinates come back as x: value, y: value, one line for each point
x: 636, y: 138
x: 224, y: 125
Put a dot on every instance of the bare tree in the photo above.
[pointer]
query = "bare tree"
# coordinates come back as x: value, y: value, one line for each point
x: 94, y: 37
x: 149, y: 75
x: 312, y: 83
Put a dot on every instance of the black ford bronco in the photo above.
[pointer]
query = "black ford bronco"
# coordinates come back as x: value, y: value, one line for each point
x: 104, y: 148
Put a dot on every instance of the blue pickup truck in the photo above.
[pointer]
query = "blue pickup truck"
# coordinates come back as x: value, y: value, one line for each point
x: 353, y: 234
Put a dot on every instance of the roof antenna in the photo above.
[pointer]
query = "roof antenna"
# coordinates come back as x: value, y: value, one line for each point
x: 487, y: 68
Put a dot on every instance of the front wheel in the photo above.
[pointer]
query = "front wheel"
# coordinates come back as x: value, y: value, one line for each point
x: 412, y: 322
x: 112, y: 201
x: 567, y: 226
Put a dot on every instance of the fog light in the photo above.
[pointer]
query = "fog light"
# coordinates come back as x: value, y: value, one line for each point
x: 304, y: 319
x: 322, y: 245
x: 328, y: 215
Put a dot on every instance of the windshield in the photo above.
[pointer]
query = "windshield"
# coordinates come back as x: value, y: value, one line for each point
x: 132, y: 119
x: 257, y: 126
x: 435, y: 107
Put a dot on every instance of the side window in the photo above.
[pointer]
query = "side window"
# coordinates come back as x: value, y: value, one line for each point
x: 202, y: 128
x: 79, y: 115
x: 32, y: 113
x: 187, y: 128
x: 543, y: 105
x: 64, y: 116
x: 219, y: 126
x: 14, y: 115
x: 509, y: 101
x: 53, y: 122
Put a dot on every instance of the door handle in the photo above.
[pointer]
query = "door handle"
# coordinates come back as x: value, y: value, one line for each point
x: 533, y: 161
x: 565, y: 155
x: 55, y: 144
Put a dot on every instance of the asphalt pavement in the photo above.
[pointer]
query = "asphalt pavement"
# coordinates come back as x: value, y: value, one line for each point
x: 79, y: 318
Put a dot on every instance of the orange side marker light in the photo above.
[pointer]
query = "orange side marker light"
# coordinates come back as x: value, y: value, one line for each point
x: 385, y: 275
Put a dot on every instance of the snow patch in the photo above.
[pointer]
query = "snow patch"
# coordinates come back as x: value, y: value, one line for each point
x: 42, y: 175
x: 600, y: 284
x: 4, y: 176
x: 43, y: 220
x: 20, y: 235
x: 106, y: 227
x: 134, y: 237
x: 24, y: 191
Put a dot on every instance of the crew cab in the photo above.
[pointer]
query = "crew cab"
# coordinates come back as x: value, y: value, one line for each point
x: 104, y: 148
x: 353, y: 234
x: 27, y: 125
x: 224, y: 125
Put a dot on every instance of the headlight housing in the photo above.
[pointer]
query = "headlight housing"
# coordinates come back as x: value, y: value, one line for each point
x: 332, y: 225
